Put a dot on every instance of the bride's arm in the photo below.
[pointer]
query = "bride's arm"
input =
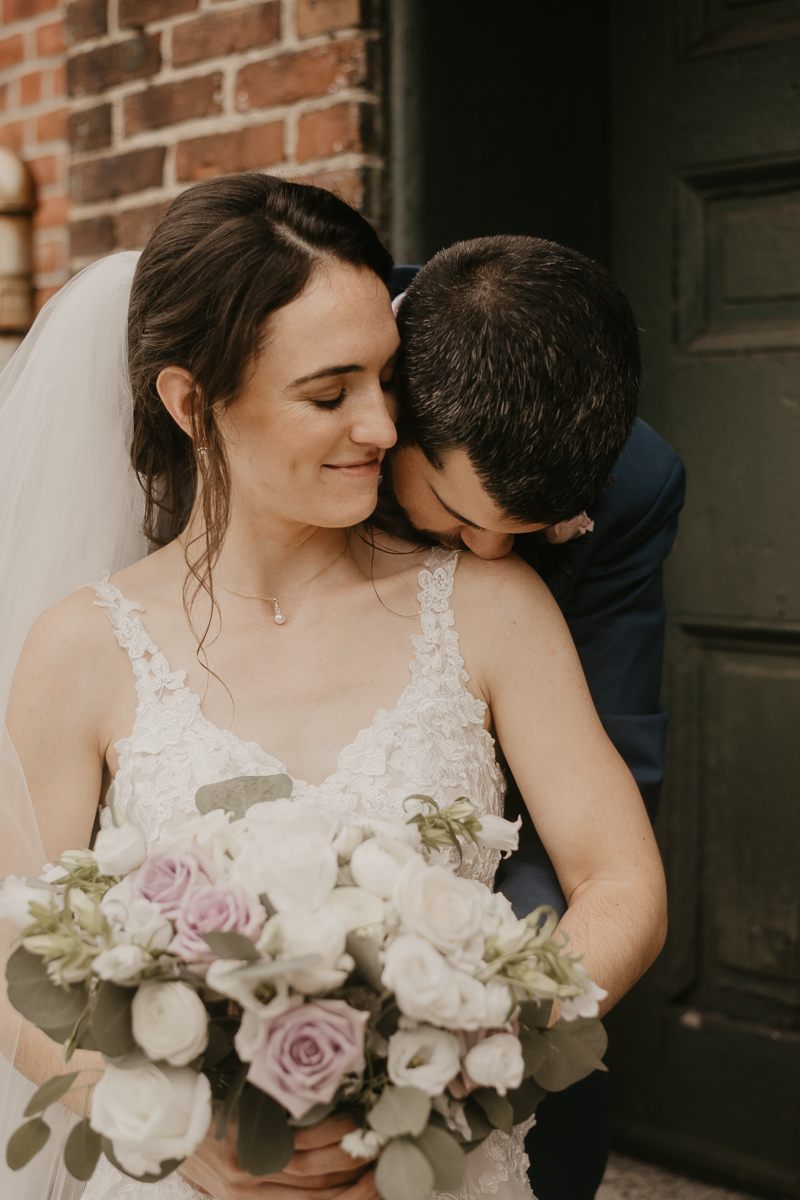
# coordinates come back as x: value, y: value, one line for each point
x: 583, y: 800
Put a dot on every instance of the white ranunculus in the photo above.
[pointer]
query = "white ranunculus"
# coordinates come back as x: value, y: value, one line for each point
x: 121, y: 964
x: 435, y: 904
x: 151, y: 1114
x: 356, y: 908
x: 170, y: 1022
x: 587, y: 1004
x: 346, y: 841
x: 425, y: 1058
x: 301, y: 933
x: 496, y: 1062
x: 146, y: 926
x: 118, y: 851
x: 272, y: 821
x: 496, y: 833
x: 363, y: 1143
x: 376, y: 864
x: 300, y: 872
x: 16, y: 895
x: 425, y: 986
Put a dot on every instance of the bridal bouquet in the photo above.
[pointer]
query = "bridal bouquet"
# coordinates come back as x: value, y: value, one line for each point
x: 266, y: 967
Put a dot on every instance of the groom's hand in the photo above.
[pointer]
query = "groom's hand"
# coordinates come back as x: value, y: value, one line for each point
x: 319, y: 1170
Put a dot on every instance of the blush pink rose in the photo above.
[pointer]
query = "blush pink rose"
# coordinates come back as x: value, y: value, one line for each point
x: 565, y: 531
x: 166, y: 878
x: 226, y: 907
x: 303, y: 1053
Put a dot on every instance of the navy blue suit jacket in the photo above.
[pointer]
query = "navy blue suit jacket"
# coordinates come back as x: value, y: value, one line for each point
x: 608, y: 585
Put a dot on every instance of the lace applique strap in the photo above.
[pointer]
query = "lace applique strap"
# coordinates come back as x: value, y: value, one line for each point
x: 129, y: 630
x: 436, y: 580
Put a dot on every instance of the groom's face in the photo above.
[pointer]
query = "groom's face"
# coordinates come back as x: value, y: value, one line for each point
x: 450, y: 505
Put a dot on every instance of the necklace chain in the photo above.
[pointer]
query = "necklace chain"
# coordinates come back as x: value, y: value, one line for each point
x: 280, y: 619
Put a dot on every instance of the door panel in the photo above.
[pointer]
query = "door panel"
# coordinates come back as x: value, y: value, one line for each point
x: 705, y: 204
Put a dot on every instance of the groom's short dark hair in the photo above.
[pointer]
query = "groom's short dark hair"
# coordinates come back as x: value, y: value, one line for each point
x: 525, y: 354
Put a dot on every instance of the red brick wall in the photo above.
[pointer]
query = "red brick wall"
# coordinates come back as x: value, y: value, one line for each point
x: 33, y: 123
x: 160, y: 93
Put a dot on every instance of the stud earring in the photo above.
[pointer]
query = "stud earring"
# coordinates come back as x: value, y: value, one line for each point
x: 202, y: 453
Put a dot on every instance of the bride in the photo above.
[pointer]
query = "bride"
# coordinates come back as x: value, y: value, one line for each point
x: 274, y: 625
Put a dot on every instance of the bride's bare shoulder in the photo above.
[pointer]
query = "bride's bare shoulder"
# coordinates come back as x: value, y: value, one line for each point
x: 70, y: 636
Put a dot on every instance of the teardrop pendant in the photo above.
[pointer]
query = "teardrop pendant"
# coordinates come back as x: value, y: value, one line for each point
x: 280, y: 619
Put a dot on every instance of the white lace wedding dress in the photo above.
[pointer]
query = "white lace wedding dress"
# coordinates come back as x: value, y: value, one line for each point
x: 432, y: 742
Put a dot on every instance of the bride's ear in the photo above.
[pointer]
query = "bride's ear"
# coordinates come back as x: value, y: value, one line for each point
x: 176, y: 387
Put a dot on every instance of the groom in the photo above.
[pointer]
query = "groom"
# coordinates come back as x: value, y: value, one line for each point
x: 519, y: 381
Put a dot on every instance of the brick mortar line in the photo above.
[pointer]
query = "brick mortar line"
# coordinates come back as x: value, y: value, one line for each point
x: 280, y: 46
x: 26, y: 24
x: 350, y: 161
x: 171, y: 135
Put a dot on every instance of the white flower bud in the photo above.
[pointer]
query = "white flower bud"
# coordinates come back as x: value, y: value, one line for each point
x: 496, y: 1062
x: 118, y: 851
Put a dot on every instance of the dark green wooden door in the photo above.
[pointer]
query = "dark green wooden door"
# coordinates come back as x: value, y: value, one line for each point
x: 705, y: 236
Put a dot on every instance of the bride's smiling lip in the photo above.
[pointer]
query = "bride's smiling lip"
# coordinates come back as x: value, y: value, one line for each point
x: 357, y: 470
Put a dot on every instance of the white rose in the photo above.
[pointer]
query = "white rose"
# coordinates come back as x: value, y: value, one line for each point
x: 321, y: 933
x: 272, y: 821
x: 16, y: 895
x: 215, y: 834
x: 300, y: 872
x: 424, y: 985
x: 496, y: 833
x: 425, y: 1058
x: 376, y: 864
x: 585, y: 1005
x: 151, y: 1114
x: 121, y: 964
x: 118, y: 851
x: 496, y: 1062
x: 346, y: 841
x: 170, y: 1022
x: 435, y: 904
x: 356, y: 908
x: 363, y: 1143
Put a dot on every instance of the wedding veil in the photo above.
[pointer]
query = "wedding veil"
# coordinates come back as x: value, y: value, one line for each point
x: 70, y: 509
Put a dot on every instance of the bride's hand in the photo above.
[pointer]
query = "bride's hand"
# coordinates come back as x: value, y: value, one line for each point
x: 319, y: 1170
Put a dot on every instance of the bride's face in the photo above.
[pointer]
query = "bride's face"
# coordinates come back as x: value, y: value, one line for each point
x: 307, y: 434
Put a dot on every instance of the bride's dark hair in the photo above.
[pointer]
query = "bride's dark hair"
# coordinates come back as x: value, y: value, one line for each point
x: 229, y: 252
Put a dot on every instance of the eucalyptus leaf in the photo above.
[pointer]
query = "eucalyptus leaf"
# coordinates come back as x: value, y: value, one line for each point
x: 49, y: 1092
x: 167, y: 1168
x: 237, y: 795
x: 229, y: 944
x: 225, y: 1114
x: 535, y: 1047
x: 82, y: 1150
x: 403, y: 1172
x: 219, y: 1045
x: 535, y: 1014
x: 525, y: 1100
x: 365, y: 953
x: 477, y: 1120
x: 31, y: 991
x: 84, y: 1037
x: 574, y: 1051
x: 26, y: 1142
x: 400, y: 1110
x: 497, y: 1108
x: 111, y: 1021
x: 313, y: 1117
x: 446, y: 1157
x: 264, y: 1139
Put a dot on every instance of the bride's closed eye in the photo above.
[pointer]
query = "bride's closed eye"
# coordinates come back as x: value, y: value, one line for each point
x: 331, y: 404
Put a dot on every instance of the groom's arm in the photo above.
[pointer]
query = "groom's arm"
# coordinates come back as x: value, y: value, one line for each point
x: 609, y: 587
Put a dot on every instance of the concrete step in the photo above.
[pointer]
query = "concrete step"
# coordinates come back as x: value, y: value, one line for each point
x: 626, y: 1179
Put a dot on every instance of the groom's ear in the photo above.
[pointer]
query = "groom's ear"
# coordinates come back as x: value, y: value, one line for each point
x: 176, y: 387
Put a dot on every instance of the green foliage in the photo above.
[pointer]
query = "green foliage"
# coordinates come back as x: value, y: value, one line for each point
x: 112, y: 1021
x: 525, y: 1099
x: 228, y: 944
x: 477, y: 1120
x: 445, y: 1155
x: 497, y: 1108
x: 237, y: 795
x: 404, y: 1172
x: 167, y: 1168
x: 82, y: 1150
x: 49, y: 1092
x: 228, y: 1106
x: 400, y: 1110
x: 219, y: 1045
x: 264, y: 1139
x: 446, y: 826
x: 53, y: 1009
x: 313, y: 1117
x: 574, y: 1050
x: 365, y: 954
x: 26, y: 1142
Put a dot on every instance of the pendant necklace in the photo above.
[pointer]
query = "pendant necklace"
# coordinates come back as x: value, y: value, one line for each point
x: 280, y: 619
